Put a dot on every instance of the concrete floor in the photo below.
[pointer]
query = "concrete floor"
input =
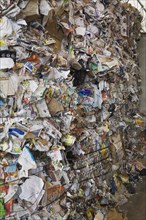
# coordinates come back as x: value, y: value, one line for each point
x: 136, y: 206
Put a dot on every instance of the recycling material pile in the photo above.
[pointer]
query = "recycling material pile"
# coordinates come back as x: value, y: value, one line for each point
x: 70, y: 131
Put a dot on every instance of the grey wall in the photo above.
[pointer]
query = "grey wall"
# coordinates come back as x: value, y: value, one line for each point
x: 142, y: 62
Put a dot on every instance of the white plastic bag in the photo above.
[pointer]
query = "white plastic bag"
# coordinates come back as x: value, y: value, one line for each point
x: 6, y: 28
x: 44, y: 7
